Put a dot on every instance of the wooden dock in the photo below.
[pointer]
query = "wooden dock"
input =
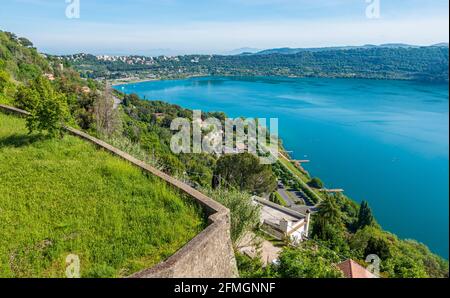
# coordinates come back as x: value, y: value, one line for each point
x: 334, y: 190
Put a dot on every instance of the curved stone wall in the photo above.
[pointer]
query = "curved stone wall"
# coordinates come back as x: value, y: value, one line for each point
x: 209, y: 254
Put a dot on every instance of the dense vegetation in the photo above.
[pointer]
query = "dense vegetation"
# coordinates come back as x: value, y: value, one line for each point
x: 115, y: 218
x: 245, y: 172
x: 138, y: 127
x: 403, y: 63
x: 308, y: 261
x: 341, y: 228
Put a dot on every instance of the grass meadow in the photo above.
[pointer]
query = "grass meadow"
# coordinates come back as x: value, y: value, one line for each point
x: 65, y: 196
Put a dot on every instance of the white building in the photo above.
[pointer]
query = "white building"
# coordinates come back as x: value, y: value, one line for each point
x: 281, y: 222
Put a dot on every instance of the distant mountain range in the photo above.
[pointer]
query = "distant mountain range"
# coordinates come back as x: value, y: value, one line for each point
x: 290, y: 51
x: 242, y: 51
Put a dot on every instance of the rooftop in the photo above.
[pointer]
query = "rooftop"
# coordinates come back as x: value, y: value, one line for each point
x: 283, y: 219
x: 351, y: 269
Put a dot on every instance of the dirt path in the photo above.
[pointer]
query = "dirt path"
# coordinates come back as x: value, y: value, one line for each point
x: 252, y: 246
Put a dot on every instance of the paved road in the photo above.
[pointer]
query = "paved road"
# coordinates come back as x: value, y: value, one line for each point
x: 291, y: 197
x: 284, y: 194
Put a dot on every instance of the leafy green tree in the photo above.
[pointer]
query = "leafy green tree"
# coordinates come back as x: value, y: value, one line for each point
x: 328, y: 226
x: 404, y: 267
x: 308, y: 262
x: 245, y: 172
x: 49, y: 109
x: 244, y: 214
x: 171, y: 165
x: 253, y: 267
x: 25, y: 42
x: 399, y: 258
x: 26, y: 98
x: 349, y: 210
x: 7, y: 88
x: 329, y: 212
x: 28, y: 72
x: 4, y: 80
x: 316, y: 183
x: 11, y: 35
x: 379, y: 247
x: 365, y: 216
x: 50, y: 115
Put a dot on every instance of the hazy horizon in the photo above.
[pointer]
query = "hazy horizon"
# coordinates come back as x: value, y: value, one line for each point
x: 174, y: 27
x: 172, y: 52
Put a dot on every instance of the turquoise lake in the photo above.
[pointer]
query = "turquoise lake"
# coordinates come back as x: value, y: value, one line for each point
x: 386, y: 142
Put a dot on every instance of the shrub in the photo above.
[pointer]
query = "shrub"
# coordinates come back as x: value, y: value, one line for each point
x: 253, y: 267
x: 49, y: 109
x: 49, y: 115
x: 26, y: 98
x: 244, y: 214
x: 306, y: 262
x: 245, y: 172
x: 7, y: 88
x: 316, y: 183
x: 4, y: 80
x: 277, y: 199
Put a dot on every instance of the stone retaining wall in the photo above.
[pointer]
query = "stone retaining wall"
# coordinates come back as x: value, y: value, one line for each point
x: 209, y: 254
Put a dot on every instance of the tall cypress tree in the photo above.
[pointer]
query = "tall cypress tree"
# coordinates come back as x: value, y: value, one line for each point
x: 365, y: 216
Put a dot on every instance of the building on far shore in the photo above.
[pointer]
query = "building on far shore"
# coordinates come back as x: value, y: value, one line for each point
x: 283, y: 223
x: 351, y: 269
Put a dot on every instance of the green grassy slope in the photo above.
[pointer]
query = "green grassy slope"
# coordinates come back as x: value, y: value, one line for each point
x: 64, y: 196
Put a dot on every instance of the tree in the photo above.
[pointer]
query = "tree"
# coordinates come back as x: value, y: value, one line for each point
x: 11, y: 35
x: 308, y: 262
x: 106, y: 115
x: 328, y: 226
x: 365, y: 216
x: 26, y: 98
x: 253, y: 267
x: 245, y: 215
x: 25, y: 42
x: 245, y: 172
x: 7, y: 88
x: 48, y: 108
x: 4, y: 80
x: 329, y: 211
x: 50, y: 115
x: 316, y: 183
x: 378, y: 246
x: 405, y: 267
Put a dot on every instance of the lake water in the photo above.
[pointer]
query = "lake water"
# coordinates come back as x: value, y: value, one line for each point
x: 382, y: 141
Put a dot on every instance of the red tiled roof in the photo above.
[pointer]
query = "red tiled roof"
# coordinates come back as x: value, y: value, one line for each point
x: 351, y: 269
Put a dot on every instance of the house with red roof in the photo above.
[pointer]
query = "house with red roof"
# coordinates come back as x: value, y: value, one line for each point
x: 351, y: 269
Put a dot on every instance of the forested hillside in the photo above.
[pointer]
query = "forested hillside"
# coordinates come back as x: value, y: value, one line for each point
x: 402, y: 63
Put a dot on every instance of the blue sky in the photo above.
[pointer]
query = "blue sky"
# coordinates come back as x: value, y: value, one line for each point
x: 218, y: 26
